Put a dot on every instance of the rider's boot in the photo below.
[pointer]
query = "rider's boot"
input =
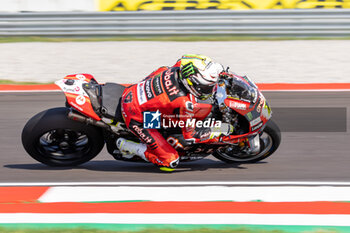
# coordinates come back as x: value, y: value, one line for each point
x: 168, y: 166
x: 130, y: 147
x: 171, y: 166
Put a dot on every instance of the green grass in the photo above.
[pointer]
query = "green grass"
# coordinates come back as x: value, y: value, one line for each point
x: 158, y: 38
x: 164, y: 228
x: 82, y: 230
x: 5, y: 81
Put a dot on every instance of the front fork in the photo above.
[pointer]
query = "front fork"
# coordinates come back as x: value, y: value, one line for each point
x: 254, y: 144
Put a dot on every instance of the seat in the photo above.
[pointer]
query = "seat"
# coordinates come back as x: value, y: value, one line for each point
x: 111, y: 94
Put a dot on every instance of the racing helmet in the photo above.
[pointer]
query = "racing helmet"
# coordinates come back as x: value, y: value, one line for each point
x: 199, y: 74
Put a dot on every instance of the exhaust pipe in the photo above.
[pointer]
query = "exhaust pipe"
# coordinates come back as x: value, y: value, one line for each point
x: 87, y: 120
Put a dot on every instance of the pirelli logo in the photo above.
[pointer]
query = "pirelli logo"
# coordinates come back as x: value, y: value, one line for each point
x: 156, y: 5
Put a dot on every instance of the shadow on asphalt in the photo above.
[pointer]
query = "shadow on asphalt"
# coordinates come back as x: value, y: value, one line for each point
x: 117, y: 166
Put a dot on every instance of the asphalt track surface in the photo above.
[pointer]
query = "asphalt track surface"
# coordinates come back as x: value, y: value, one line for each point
x: 302, y: 156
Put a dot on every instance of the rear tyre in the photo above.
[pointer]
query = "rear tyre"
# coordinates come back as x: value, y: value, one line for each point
x: 269, y: 141
x: 52, y: 139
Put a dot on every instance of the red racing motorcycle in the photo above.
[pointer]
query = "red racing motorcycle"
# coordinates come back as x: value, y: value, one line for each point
x: 75, y: 134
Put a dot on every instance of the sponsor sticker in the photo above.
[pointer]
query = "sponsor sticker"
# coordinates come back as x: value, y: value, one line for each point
x: 141, y: 95
x: 260, y: 105
x: 80, y: 77
x: 142, y: 134
x: 80, y: 99
x: 237, y: 105
x: 148, y: 89
x: 68, y: 89
x: 257, y: 126
x: 169, y: 83
x: 255, y: 121
x: 157, y: 87
x: 250, y: 116
x: 174, y: 142
x: 75, y: 105
x: 71, y: 88
x: 166, y: 5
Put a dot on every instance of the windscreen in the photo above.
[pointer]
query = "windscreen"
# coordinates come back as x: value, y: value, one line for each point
x: 243, y: 91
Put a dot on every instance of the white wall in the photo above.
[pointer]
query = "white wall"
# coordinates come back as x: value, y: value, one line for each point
x: 47, y: 5
x: 293, y: 61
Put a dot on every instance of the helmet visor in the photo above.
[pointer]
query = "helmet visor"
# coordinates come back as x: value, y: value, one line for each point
x: 202, y: 89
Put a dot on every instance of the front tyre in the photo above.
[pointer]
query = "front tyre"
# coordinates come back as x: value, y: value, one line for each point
x: 52, y: 139
x: 269, y: 141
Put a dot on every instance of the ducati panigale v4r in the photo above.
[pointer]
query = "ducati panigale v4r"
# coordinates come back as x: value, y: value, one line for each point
x: 72, y: 135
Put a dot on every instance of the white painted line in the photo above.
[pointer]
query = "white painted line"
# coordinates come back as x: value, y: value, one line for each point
x: 181, y: 183
x: 24, y: 91
x: 318, y: 90
x: 305, y: 90
x: 201, y: 193
x: 257, y: 219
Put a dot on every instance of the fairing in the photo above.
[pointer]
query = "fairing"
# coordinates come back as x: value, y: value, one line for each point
x: 242, y: 95
x: 72, y: 86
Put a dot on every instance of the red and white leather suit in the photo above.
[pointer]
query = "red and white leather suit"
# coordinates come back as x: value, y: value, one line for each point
x: 162, y: 91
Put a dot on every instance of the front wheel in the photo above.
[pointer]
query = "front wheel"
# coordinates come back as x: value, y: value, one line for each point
x: 270, y: 140
x: 52, y: 139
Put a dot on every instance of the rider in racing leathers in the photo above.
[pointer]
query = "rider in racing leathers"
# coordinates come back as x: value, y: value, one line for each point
x: 171, y: 91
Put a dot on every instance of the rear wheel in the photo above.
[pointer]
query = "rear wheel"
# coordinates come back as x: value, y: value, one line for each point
x: 53, y: 139
x: 269, y: 142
